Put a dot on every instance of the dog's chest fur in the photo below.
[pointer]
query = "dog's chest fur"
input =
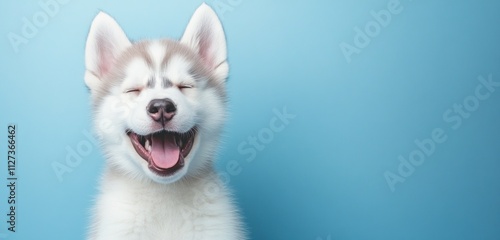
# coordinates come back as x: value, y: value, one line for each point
x: 192, y: 209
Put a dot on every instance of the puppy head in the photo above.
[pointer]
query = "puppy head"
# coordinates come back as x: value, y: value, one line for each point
x: 158, y: 105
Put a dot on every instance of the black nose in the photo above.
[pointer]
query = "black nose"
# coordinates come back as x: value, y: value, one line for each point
x: 161, y: 110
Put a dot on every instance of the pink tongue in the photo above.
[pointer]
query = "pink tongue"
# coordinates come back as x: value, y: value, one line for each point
x: 164, y: 151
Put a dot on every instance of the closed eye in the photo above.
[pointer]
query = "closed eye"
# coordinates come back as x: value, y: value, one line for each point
x: 184, y: 86
x: 133, y: 90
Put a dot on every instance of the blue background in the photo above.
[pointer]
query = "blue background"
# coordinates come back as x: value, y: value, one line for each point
x: 322, y: 176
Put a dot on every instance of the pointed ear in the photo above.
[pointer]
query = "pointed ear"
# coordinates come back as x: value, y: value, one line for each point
x: 204, y: 34
x: 106, y: 40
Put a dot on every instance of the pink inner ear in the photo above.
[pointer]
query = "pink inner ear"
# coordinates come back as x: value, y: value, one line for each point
x: 105, y: 55
x: 205, y: 43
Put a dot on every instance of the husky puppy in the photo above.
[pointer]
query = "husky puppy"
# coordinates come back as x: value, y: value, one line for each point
x: 159, y: 107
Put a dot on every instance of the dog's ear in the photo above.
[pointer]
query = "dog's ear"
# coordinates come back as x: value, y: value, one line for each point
x: 106, y: 40
x: 204, y: 34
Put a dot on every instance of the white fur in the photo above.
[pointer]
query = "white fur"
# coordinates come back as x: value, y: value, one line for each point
x: 105, y: 38
x: 215, y: 54
x: 156, y: 50
x: 134, y: 202
x: 177, y: 69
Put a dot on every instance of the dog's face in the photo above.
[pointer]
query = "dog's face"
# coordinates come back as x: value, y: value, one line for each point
x: 158, y: 105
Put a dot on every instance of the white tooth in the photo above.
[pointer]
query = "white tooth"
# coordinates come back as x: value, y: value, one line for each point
x: 147, y: 145
x: 178, y: 141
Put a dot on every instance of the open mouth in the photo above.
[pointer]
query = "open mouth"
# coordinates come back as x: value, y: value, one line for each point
x: 164, y: 151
